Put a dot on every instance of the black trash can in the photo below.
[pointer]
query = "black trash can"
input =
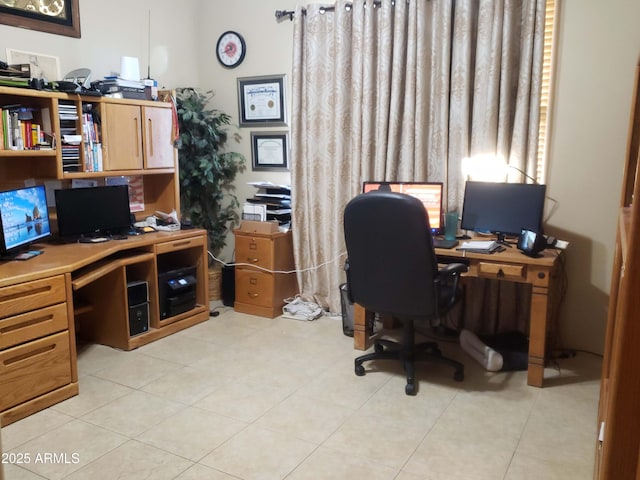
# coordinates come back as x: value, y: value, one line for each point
x: 347, y: 311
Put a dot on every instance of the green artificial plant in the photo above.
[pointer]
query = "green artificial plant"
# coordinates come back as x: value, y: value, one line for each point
x: 207, y: 170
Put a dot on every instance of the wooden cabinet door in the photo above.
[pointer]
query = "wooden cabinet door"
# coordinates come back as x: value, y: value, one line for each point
x: 122, y: 135
x: 158, y: 136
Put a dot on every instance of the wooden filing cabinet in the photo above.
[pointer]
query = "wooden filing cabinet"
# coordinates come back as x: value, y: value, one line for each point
x: 37, y: 348
x: 260, y: 288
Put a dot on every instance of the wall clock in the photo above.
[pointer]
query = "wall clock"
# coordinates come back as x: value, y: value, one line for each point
x: 231, y: 49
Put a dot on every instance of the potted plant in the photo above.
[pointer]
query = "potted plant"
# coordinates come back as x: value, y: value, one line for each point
x: 207, y: 169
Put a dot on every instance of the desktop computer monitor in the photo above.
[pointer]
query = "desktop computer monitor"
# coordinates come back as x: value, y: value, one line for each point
x: 93, y: 211
x: 24, y: 218
x: 429, y: 193
x: 504, y: 209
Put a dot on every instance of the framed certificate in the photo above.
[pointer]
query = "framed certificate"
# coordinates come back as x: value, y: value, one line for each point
x: 270, y: 150
x: 61, y: 17
x: 261, y: 101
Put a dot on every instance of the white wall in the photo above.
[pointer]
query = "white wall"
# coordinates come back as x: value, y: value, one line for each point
x: 119, y: 28
x: 598, y: 48
x: 269, y: 52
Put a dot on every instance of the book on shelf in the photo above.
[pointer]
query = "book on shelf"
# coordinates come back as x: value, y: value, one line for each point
x: 117, y: 87
x: 122, y: 82
x: 20, y: 130
x: 18, y: 75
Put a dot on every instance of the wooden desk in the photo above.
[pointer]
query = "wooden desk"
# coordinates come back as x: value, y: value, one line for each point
x: 541, y: 273
x: 82, y: 288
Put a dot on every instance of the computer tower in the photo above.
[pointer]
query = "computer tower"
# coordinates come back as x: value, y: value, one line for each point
x: 176, y: 291
x: 138, y: 304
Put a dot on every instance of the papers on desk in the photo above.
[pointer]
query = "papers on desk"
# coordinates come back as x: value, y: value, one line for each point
x: 479, y: 246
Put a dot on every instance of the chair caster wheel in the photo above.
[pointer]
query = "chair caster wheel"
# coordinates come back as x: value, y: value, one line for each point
x: 410, y: 389
x: 359, y: 370
x: 378, y: 348
x: 458, y: 376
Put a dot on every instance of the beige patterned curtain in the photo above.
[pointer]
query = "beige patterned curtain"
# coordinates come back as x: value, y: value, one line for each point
x: 401, y: 90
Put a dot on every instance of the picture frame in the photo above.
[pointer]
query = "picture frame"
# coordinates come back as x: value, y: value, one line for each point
x: 42, y: 66
x: 270, y: 151
x: 261, y: 101
x: 61, y: 17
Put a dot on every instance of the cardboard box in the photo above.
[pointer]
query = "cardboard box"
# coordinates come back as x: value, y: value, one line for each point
x: 258, y: 227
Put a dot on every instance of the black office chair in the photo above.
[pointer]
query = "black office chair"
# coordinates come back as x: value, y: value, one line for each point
x: 392, y: 269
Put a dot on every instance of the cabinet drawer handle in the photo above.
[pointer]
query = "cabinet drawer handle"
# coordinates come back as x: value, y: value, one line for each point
x: 253, y: 260
x: 27, y: 323
x: 253, y: 294
x: 135, y: 130
x: 179, y: 244
x: 25, y: 294
x: 31, y: 354
x: 150, y: 130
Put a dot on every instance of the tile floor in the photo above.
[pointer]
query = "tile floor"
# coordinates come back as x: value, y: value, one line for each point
x: 244, y: 397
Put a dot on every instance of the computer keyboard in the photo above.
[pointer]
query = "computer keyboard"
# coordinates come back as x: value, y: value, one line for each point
x: 442, y: 243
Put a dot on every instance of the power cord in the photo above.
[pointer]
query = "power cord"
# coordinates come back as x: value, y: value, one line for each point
x: 234, y: 264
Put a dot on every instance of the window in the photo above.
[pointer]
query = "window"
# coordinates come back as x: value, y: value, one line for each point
x: 545, y: 94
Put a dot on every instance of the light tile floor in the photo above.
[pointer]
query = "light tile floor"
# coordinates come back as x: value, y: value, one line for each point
x: 244, y: 397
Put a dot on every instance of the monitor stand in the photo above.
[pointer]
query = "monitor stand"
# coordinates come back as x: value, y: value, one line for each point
x: 94, y: 237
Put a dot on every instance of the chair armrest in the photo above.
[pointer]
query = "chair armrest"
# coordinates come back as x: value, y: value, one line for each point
x: 451, y: 269
x: 449, y: 275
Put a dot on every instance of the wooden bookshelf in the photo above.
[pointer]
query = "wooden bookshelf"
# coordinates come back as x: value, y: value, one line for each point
x: 618, y: 443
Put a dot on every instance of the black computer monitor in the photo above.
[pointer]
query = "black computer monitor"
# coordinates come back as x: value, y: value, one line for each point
x: 429, y: 193
x: 24, y: 218
x: 502, y: 208
x: 93, y: 211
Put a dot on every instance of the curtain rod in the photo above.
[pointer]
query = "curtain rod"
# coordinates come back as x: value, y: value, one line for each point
x: 281, y: 14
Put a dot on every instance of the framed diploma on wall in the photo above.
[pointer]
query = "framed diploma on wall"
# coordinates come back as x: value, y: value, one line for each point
x: 270, y: 151
x: 61, y: 17
x: 261, y: 101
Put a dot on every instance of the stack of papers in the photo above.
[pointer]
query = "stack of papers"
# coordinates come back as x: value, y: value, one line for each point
x: 479, y: 246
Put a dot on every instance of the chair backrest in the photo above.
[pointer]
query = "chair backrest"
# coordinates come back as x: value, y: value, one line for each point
x: 392, y: 266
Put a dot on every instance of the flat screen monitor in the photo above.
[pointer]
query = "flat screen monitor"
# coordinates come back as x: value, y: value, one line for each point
x: 93, y: 211
x: 429, y: 193
x: 25, y: 218
x: 503, y: 208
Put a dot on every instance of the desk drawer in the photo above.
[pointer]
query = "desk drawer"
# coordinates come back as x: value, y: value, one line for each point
x: 29, y: 326
x: 28, y: 296
x: 254, y: 251
x: 33, y: 369
x: 502, y: 271
x: 254, y: 287
x: 178, y: 245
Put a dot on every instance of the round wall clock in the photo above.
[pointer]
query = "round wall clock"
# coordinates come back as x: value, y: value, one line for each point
x: 231, y: 49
